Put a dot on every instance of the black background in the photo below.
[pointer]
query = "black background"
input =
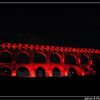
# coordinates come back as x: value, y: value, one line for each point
x: 75, y: 25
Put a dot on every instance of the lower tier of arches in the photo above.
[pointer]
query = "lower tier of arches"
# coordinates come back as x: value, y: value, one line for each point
x: 45, y: 70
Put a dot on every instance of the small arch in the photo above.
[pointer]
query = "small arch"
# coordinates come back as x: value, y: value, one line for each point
x: 56, y: 72
x: 40, y: 72
x: 70, y: 59
x: 72, y: 72
x: 55, y: 58
x: 22, y: 72
x: 5, y: 71
x: 39, y: 58
x: 84, y: 59
x: 5, y: 57
x: 22, y: 57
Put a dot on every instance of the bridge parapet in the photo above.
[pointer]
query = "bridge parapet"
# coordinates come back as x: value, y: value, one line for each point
x: 48, y: 48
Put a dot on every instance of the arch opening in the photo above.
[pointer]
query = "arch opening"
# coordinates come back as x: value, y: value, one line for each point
x: 22, y: 58
x: 40, y: 72
x: 5, y: 57
x: 96, y: 58
x: 70, y: 59
x: 96, y: 63
x: 72, y: 72
x: 4, y: 71
x: 84, y: 59
x: 39, y: 58
x: 56, y: 72
x: 22, y: 72
x: 54, y: 58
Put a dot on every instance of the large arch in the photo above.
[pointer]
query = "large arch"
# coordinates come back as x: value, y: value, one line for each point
x: 96, y: 63
x: 40, y: 72
x: 5, y: 71
x: 39, y: 58
x: 56, y: 72
x: 55, y: 58
x: 5, y: 56
x: 84, y: 59
x: 70, y: 59
x: 22, y: 57
x: 95, y: 58
x: 22, y: 72
x: 72, y: 72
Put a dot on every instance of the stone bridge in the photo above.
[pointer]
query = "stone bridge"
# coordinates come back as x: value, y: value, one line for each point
x: 29, y: 60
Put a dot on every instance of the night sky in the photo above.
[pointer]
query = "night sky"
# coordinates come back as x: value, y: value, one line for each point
x: 74, y: 25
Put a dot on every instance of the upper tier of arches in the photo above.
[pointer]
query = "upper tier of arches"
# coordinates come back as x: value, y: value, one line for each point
x: 41, y: 57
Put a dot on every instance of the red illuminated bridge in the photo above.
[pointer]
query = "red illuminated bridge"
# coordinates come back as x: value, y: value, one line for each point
x: 27, y: 60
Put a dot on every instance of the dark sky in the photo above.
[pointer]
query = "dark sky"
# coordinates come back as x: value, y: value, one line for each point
x: 76, y: 25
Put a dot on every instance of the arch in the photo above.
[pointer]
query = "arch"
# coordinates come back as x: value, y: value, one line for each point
x: 86, y: 69
x: 55, y: 58
x: 22, y: 72
x: 5, y: 71
x: 40, y: 72
x: 22, y: 57
x: 56, y: 72
x: 72, y: 72
x: 84, y: 59
x: 70, y: 59
x: 95, y: 58
x: 39, y: 58
x: 96, y: 63
x: 5, y: 56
